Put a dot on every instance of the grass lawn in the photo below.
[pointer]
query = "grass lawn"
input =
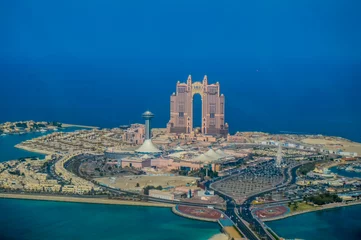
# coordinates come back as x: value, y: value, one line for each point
x: 302, y: 207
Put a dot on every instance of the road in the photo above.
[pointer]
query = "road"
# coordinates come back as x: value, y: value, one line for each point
x: 231, y: 212
x: 290, y: 178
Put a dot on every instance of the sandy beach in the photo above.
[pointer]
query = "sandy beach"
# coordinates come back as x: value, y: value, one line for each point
x: 220, y: 236
x: 33, y: 150
x: 82, y: 200
x: 65, y: 125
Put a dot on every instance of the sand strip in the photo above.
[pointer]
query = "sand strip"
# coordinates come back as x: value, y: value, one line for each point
x: 82, y: 200
x: 79, y: 126
x: 29, y: 149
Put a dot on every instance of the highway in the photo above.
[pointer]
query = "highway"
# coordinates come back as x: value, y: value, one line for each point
x: 231, y: 212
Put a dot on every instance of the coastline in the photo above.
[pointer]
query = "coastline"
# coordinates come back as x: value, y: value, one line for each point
x: 33, y: 150
x: 330, y: 206
x: 82, y: 200
x: 66, y: 125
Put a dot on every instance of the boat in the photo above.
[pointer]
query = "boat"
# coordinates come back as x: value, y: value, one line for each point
x: 349, y: 169
x: 3, y: 135
x: 42, y: 130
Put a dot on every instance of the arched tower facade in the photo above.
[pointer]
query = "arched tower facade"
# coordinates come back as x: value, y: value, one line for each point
x: 181, y: 108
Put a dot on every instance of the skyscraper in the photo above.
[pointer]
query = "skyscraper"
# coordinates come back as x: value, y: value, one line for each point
x: 181, y: 108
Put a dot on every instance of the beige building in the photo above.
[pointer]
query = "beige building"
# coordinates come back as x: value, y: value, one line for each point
x: 137, y: 163
x: 236, y: 138
x: 135, y: 134
x: 76, y: 189
x: 161, y: 194
x: 165, y: 195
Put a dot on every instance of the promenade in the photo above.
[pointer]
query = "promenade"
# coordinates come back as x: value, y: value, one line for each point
x: 83, y: 200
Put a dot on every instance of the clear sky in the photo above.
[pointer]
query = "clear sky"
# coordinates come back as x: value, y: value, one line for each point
x: 283, y: 65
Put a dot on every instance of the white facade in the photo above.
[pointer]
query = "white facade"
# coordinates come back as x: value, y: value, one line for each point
x: 161, y: 194
x: 348, y: 154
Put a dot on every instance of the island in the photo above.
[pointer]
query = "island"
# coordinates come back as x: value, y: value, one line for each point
x: 23, y: 127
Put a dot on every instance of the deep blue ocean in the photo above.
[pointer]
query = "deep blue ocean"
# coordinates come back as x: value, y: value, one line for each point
x: 283, y: 66
x: 303, y: 98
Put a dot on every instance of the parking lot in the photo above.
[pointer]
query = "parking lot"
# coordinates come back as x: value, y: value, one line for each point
x: 253, y: 180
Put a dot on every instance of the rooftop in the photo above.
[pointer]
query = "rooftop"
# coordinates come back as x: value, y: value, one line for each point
x: 148, y: 147
x: 148, y: 114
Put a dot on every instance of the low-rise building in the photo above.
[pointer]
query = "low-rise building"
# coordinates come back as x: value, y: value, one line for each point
x: 68, y: 189
x: 135, y: 134
x: 137, y: 163
x: 236, y: 138
x: 161, y: 194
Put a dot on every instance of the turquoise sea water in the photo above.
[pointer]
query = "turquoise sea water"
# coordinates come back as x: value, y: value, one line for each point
x: 331, y: 224
x: 343, y: 172
x: 30, y: 220
x: 8, y: 142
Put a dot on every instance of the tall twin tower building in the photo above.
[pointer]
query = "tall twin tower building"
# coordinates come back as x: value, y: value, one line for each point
x: 181, y: 108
